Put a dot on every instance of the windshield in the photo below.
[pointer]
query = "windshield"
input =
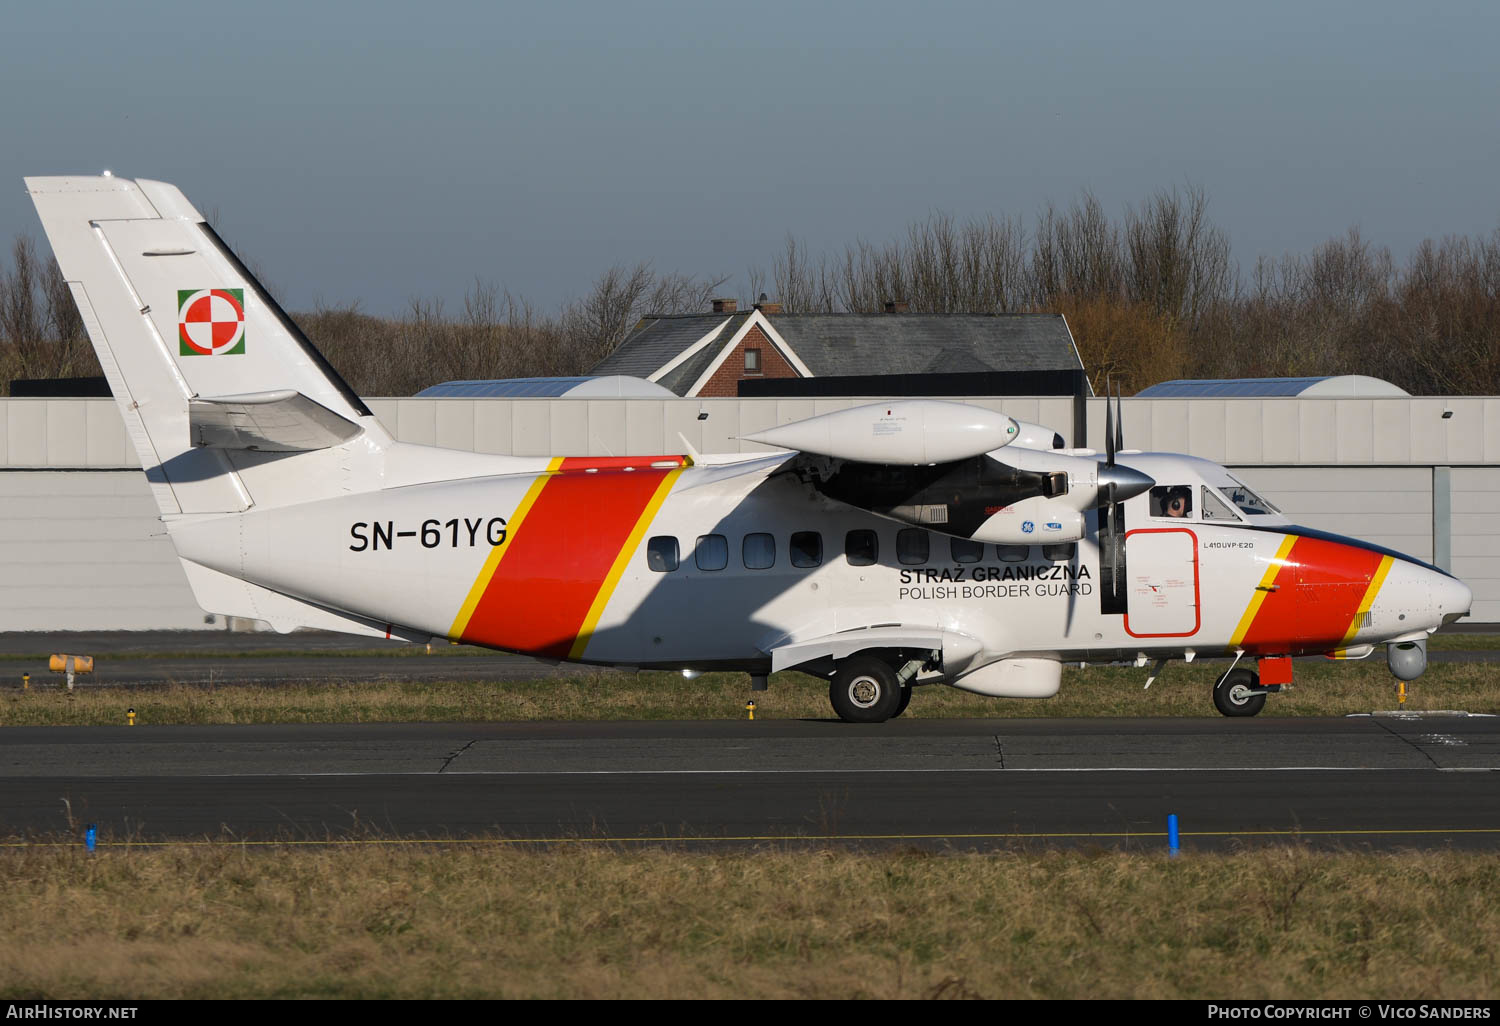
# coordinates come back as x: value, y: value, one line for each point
x: 1248, y: 502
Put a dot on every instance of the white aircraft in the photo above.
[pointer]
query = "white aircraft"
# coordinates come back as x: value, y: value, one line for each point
x: 889, y: 546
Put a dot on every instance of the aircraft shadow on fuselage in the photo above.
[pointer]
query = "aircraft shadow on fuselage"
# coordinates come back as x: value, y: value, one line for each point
x: 728, y: 619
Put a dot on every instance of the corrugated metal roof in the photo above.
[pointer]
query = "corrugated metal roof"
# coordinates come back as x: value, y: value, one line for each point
x: 506, y: 388
x: 599, y: 386
x: 1330, y: 386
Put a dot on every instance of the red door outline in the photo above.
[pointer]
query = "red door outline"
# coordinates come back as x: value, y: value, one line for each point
x: 1197, y: 594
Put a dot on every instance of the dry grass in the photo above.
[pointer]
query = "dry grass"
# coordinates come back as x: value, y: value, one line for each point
x: 1322, y: 689
x: 486, y: 921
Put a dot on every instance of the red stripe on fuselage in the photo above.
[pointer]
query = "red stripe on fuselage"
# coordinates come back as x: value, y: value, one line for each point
x: 1317, y: 596
x: 545, y: 584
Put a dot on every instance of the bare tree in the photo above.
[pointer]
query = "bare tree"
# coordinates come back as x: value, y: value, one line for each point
x: 1178, y: 261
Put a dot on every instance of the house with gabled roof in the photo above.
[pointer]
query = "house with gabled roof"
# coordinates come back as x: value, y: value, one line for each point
x: 712, y: 354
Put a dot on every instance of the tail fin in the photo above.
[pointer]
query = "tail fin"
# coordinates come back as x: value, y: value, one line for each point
x: 205, y: 366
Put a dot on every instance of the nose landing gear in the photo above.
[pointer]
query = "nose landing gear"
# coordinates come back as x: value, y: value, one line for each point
x: 1242, y: 691
x: 1239, y: 693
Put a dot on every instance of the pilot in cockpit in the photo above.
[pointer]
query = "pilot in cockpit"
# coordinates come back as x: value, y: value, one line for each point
x: 1174, y: 501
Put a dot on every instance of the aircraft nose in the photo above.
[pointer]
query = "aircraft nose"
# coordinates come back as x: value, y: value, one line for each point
x: 1128, y: 481
x: 1451, y: 598
x: 1418, y: 597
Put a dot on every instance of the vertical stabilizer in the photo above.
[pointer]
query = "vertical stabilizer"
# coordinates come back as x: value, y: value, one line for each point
x: 175, y: 316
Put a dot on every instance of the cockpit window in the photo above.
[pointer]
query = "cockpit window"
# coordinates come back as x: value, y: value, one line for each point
x: 1174, y: 501
x: 1240, y: 494
x: 1214, y: 507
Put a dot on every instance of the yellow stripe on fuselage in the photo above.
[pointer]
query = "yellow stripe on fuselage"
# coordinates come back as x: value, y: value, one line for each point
x: 617, y: 569
x: 1267, y: 583
x: 492, y: 561
x: 1368, y: 601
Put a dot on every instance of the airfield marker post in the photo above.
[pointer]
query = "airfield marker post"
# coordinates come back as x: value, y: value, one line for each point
x: 1173, y: 846
x: 90, y: 837
x: 25, y: 682
x: 750, y: 709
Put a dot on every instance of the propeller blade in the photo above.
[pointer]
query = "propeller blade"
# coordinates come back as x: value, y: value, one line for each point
x: 1114, y: 544
x: 1109, y: 431
x: 1117, y: 557
x: 1072, y: 596
x: 1119, y: 423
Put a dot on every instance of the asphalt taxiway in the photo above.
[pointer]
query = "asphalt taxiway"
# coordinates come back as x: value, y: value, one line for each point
x: 1377, y: 782
x: 233, y: 657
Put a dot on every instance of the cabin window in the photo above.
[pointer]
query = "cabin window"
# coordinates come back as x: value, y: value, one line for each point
x: 1013, y: 553
x: 1172, y: 501
x: 661, y: 554
x: 712, y: 552
x: 759, y: 551
x: 1059, y: 553
x: 913, y: 545
x: 861, y: 548
x: 1214, y: 508
x: 965, y: 551
x: 807, y: 549
x: 752, y: 361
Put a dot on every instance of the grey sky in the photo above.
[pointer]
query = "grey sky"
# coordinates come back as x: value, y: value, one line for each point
x: 378, y: 151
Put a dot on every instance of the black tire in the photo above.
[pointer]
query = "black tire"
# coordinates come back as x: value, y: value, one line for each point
x: 905, y: 701
x: 1231, y: 696
x: 864, y: 690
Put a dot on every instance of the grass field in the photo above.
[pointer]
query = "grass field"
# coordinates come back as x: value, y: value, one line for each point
x: 475, y: 921
x: 1322, y: 689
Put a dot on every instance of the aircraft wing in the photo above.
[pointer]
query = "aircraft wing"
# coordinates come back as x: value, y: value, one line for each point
x: 952, y: 468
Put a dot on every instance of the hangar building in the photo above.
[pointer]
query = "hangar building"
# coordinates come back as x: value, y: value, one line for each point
x: 83, y: 550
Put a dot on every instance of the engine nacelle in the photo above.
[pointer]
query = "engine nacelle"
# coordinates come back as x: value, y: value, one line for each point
x: 1014, y: 678
x: 1034, y: 521
x: 905, y: 432
x: 1036, y: 436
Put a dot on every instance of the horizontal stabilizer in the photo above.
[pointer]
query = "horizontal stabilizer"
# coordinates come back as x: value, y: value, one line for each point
x: 280, y: 421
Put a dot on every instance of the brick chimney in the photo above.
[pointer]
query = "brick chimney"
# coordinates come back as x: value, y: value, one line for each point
x: 726, y: 305
x: 896, y: 306
x: 768, y: 308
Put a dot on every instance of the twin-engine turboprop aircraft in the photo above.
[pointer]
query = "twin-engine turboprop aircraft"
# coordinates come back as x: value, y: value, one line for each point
x: 888, y: 546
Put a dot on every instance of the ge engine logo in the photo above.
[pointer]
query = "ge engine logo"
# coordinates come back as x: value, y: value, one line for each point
x: 1027, y: 527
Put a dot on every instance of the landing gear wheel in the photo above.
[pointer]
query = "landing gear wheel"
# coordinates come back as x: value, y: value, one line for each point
x: 864, y: 690
x: 905, y: 701
x: 1233, y: 694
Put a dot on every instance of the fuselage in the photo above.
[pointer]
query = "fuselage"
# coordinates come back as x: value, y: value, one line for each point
x: 655, y: 562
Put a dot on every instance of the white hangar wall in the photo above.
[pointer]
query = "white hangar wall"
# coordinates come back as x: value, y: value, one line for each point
x: 82, y: 548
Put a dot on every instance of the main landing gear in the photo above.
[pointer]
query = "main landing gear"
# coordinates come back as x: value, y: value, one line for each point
x: 867, y: 689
